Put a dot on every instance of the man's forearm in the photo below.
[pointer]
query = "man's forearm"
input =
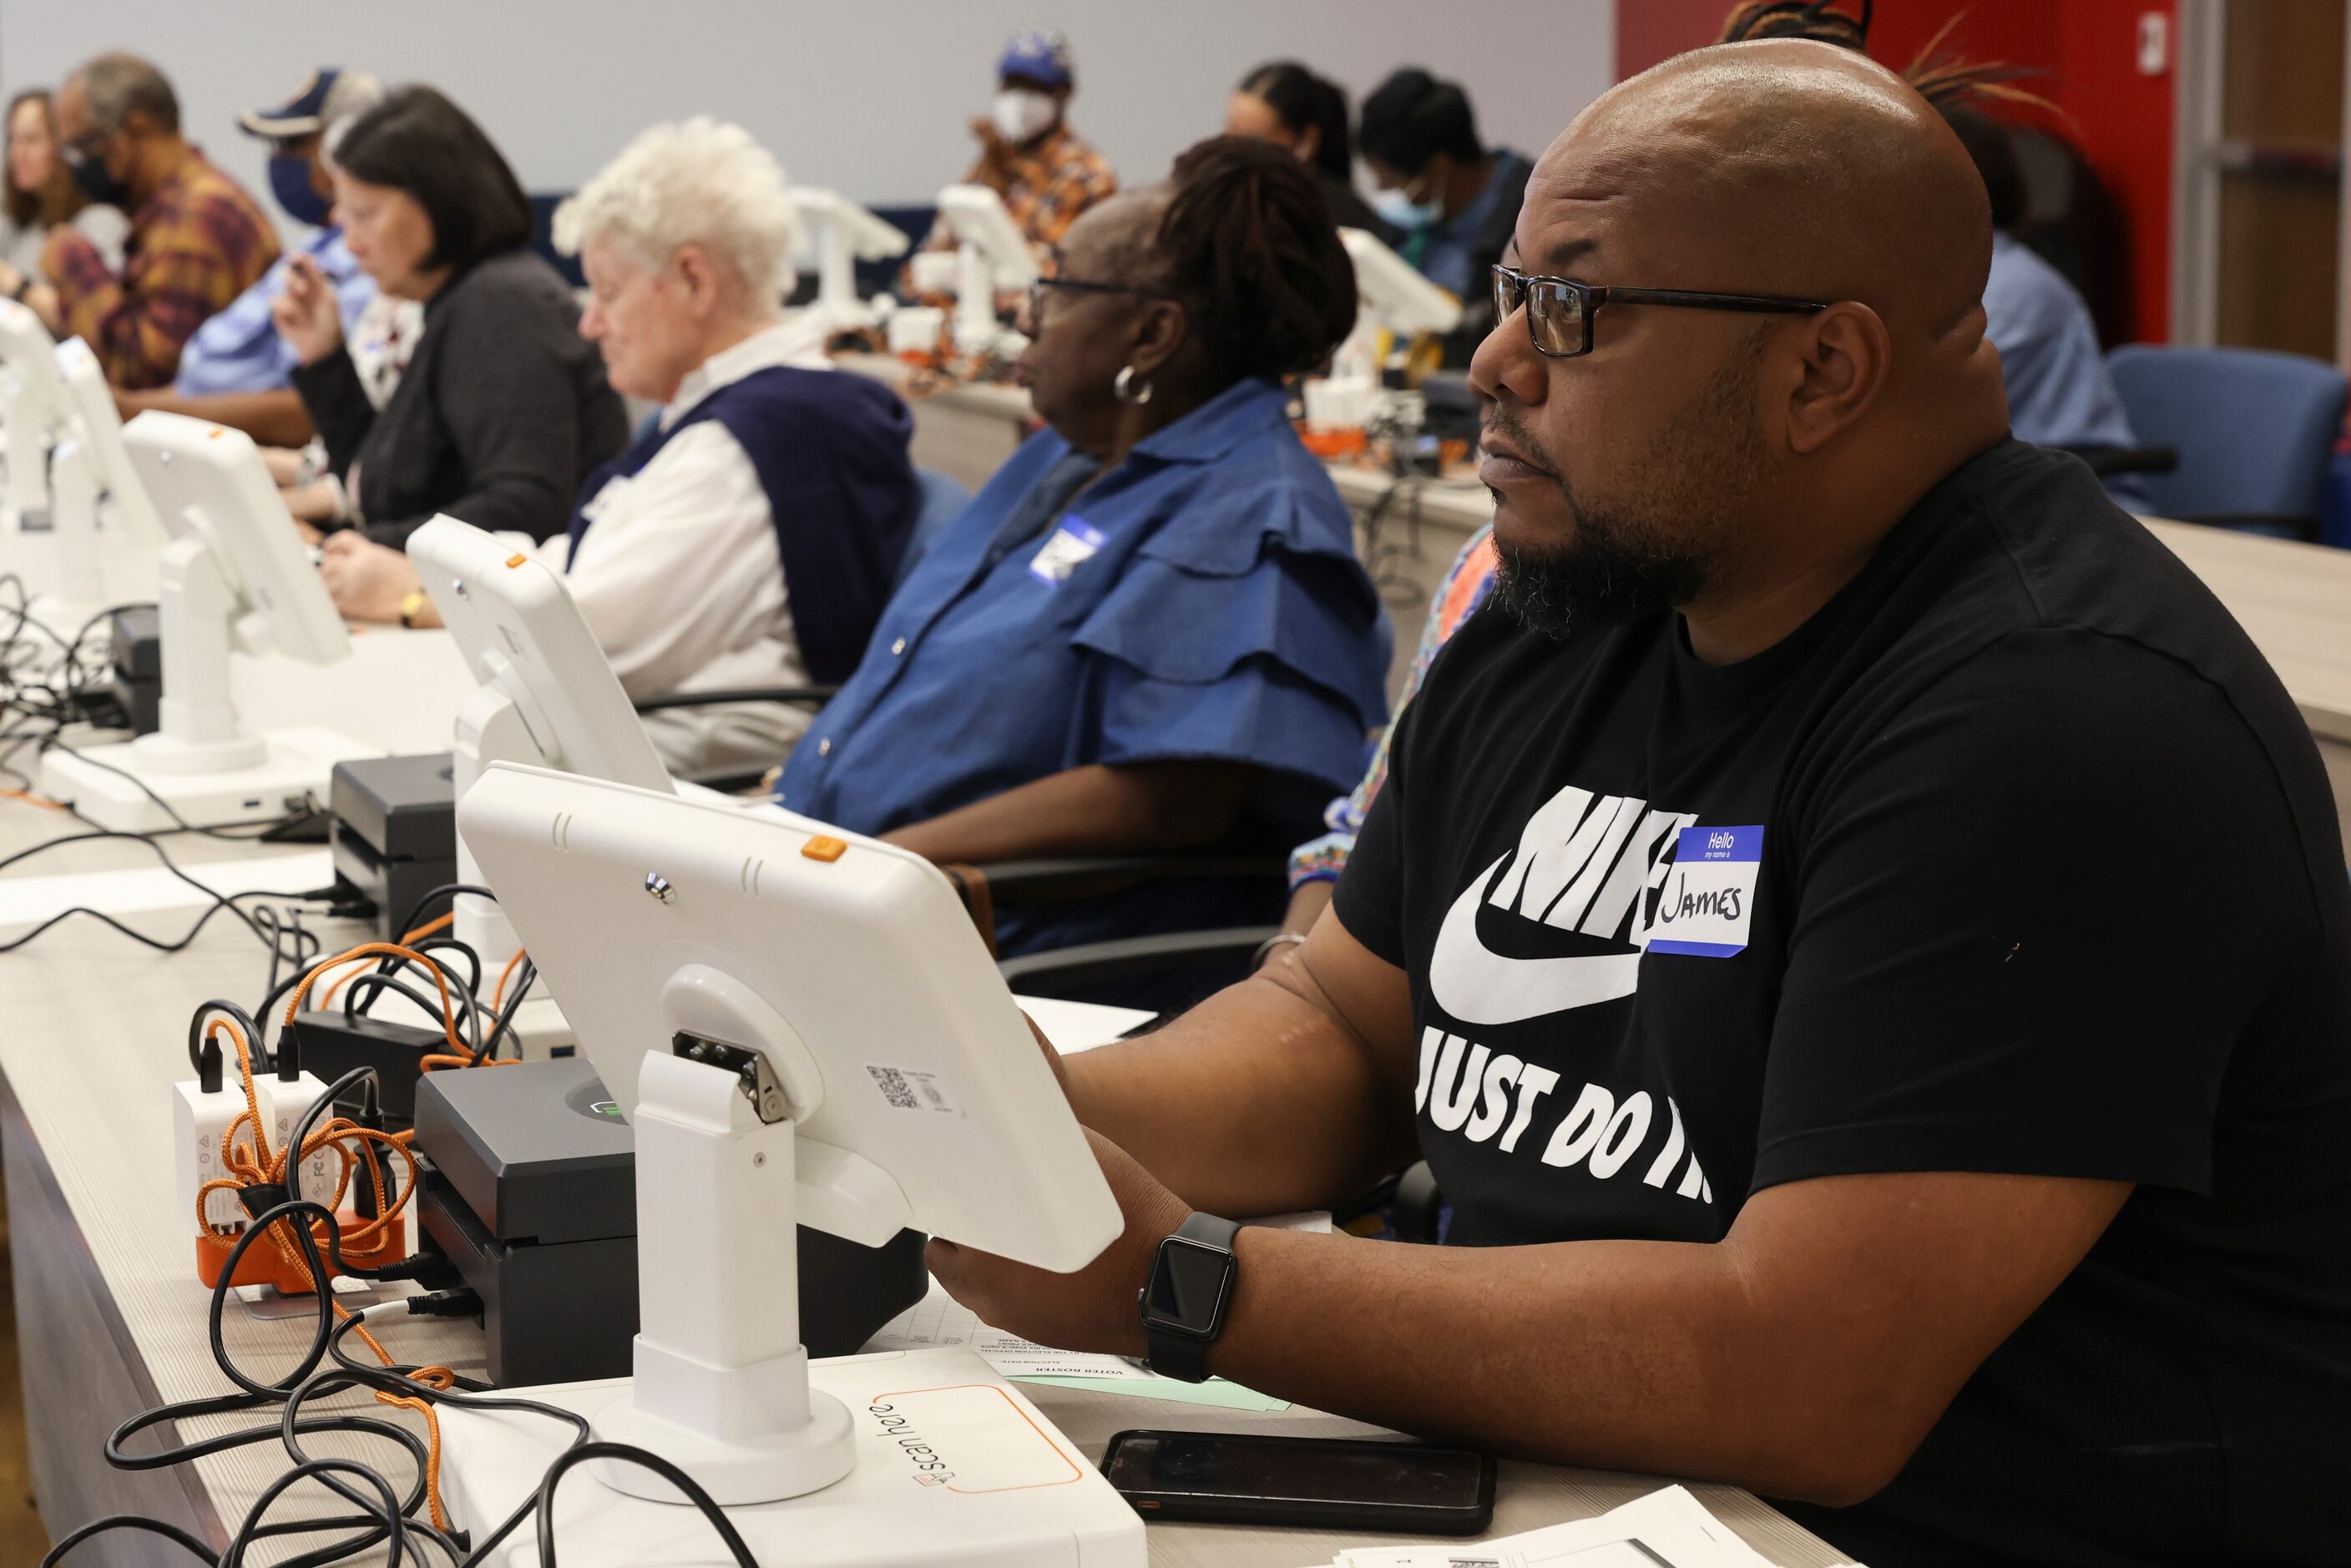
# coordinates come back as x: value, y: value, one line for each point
x: 1253, y: 1103
x: 1094, y: 810
x: 1618, y: 1356
x: 275, y: 418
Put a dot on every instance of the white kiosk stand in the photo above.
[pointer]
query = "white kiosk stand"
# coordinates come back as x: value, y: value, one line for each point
x: 234, y: 573
x: 835, y: 234
x: 992, y: 256
x: 802, y: 1025
x: 33, y: 402
x: 1394, y: 301
x: 97, y: 564
x: 546, y: 697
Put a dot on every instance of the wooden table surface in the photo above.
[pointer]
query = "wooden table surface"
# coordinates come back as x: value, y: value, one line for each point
x: 112, y: 1320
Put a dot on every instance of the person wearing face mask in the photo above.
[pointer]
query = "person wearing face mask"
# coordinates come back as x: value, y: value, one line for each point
x: 1286, y: 104
x: 197, y: 240
x: 41, y: 193
x: 239, y: 370
x: 502, y: 411
x: 1028, y: 153
x: 749, y: 537
x: 1452, y: 199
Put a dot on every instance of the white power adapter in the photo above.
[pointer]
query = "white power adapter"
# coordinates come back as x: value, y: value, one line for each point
x: 201, y: 1119
x: 199, y: 1122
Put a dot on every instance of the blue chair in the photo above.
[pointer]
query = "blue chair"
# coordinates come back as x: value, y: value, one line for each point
x: 2255, y: 431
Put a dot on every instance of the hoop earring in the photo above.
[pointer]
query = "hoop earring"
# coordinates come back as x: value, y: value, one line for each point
x: 1129, y: 391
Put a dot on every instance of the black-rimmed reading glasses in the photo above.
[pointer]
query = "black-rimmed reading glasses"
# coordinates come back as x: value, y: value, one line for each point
x: 1559, y: 310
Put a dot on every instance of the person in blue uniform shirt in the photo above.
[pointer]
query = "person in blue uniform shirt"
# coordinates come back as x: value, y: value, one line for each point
x: 2059, y: 394
x: 236, y: 371
x: 1450, y: 199
x: 1149, y: 631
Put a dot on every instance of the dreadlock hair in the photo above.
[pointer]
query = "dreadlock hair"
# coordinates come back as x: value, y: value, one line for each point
x: 1818, y: 20
x: 1247, y: 242
x: 1945, y: 83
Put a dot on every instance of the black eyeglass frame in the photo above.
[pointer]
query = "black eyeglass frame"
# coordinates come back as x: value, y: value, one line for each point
x: 1084, y: 286
x: 1590, y: 297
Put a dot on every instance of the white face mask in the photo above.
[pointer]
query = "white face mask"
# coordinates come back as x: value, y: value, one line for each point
x: 1021, y: 114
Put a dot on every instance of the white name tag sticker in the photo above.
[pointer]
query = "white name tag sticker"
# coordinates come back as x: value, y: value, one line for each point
x: 1071, y: 546
x: 1709, y: 897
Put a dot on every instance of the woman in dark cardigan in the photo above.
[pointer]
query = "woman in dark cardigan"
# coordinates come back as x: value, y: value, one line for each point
x: 503, y: 410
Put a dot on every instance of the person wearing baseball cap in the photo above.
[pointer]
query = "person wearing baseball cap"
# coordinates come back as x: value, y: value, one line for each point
x: 236, y: 370
x: 1028, y: 155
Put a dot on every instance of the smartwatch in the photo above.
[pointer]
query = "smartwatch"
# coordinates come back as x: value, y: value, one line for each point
x: 1191, y: 1287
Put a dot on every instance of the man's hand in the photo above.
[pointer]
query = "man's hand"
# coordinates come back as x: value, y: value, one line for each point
x: 1093, y: 1309
x: 367, y: 581
x: 306, y: 313
x: 995, y: 153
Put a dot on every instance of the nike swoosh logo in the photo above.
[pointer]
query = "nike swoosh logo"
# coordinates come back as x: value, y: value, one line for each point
x: 1478, y: 986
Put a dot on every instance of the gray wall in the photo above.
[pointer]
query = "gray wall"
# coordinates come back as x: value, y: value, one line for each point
x: 870, y: 96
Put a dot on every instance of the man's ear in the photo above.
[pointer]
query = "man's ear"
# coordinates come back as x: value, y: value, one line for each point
x: 1844, y: 356
x: 1160, y: 329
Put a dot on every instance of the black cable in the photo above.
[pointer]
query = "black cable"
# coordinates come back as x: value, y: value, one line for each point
x: 397, y: 1525
x: 220, y: 901
x: 524, y: 978
x: 96, y: 1527
x: 370, y: 984
x: 449, y: 890
x: 237, y: 1015
x: 645, y: 1459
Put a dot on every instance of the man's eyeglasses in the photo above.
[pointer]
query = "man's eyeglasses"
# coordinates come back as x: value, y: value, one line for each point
x: 1560, y: 312
x: 1082, y: 285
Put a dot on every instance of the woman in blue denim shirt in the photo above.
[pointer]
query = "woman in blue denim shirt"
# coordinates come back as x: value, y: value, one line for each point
x: 1149, y: 631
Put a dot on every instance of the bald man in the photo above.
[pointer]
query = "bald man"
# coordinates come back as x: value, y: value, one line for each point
x: 1856, y: 931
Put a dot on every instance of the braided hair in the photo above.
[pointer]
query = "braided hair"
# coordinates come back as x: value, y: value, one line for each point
x: 1247, y: 243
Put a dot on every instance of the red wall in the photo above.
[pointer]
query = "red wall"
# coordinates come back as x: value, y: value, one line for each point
x: 2084, y: 53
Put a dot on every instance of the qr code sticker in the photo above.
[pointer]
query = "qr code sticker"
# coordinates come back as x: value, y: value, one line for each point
x: 912, y: 1089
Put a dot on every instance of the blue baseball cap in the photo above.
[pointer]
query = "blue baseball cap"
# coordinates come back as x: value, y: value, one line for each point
x: 1040, y: 54
x: 301, y: 115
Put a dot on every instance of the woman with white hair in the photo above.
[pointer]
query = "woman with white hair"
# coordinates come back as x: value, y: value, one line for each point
x: 750, y: 535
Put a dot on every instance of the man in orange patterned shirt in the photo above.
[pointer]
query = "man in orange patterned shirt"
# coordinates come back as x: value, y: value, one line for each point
x: 197, y: 240
x: 1028, y: 155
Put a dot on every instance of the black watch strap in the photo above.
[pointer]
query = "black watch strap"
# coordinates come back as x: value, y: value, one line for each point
x: 1179, y: 1352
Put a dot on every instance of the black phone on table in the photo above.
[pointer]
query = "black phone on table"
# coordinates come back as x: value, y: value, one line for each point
x: 1326, y: 1483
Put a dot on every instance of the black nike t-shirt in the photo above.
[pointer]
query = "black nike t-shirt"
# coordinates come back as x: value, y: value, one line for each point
x: 2014, y: 858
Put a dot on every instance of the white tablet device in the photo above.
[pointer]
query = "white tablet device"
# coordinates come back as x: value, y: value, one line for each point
x: 209, y: 482
x: 919, y: 1098
x: 978, y: 218
x: 1393, y: 293
x: 516, y: 624
x: 92, y: 405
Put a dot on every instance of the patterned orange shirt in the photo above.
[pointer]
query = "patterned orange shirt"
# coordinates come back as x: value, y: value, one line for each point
x: 1044, y: 187
x: 195, y: 245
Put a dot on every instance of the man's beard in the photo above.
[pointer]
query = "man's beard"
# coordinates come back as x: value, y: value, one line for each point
x: 1624, y: 563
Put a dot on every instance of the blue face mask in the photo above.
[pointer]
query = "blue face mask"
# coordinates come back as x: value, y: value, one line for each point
x: 290, y: 182
x: 1400, y: 211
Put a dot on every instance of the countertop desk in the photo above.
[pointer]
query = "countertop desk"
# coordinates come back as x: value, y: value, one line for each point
x: 111, y: 1319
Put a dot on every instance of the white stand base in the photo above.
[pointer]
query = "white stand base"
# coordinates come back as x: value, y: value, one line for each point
x: 294, y: 763
x: 398, y: 692
x: 953, y: 1467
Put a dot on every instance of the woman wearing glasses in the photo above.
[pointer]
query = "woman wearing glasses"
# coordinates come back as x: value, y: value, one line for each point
x: 1149, y: 631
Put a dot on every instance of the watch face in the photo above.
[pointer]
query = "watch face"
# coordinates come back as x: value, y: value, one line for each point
x: 1188, y: 1286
